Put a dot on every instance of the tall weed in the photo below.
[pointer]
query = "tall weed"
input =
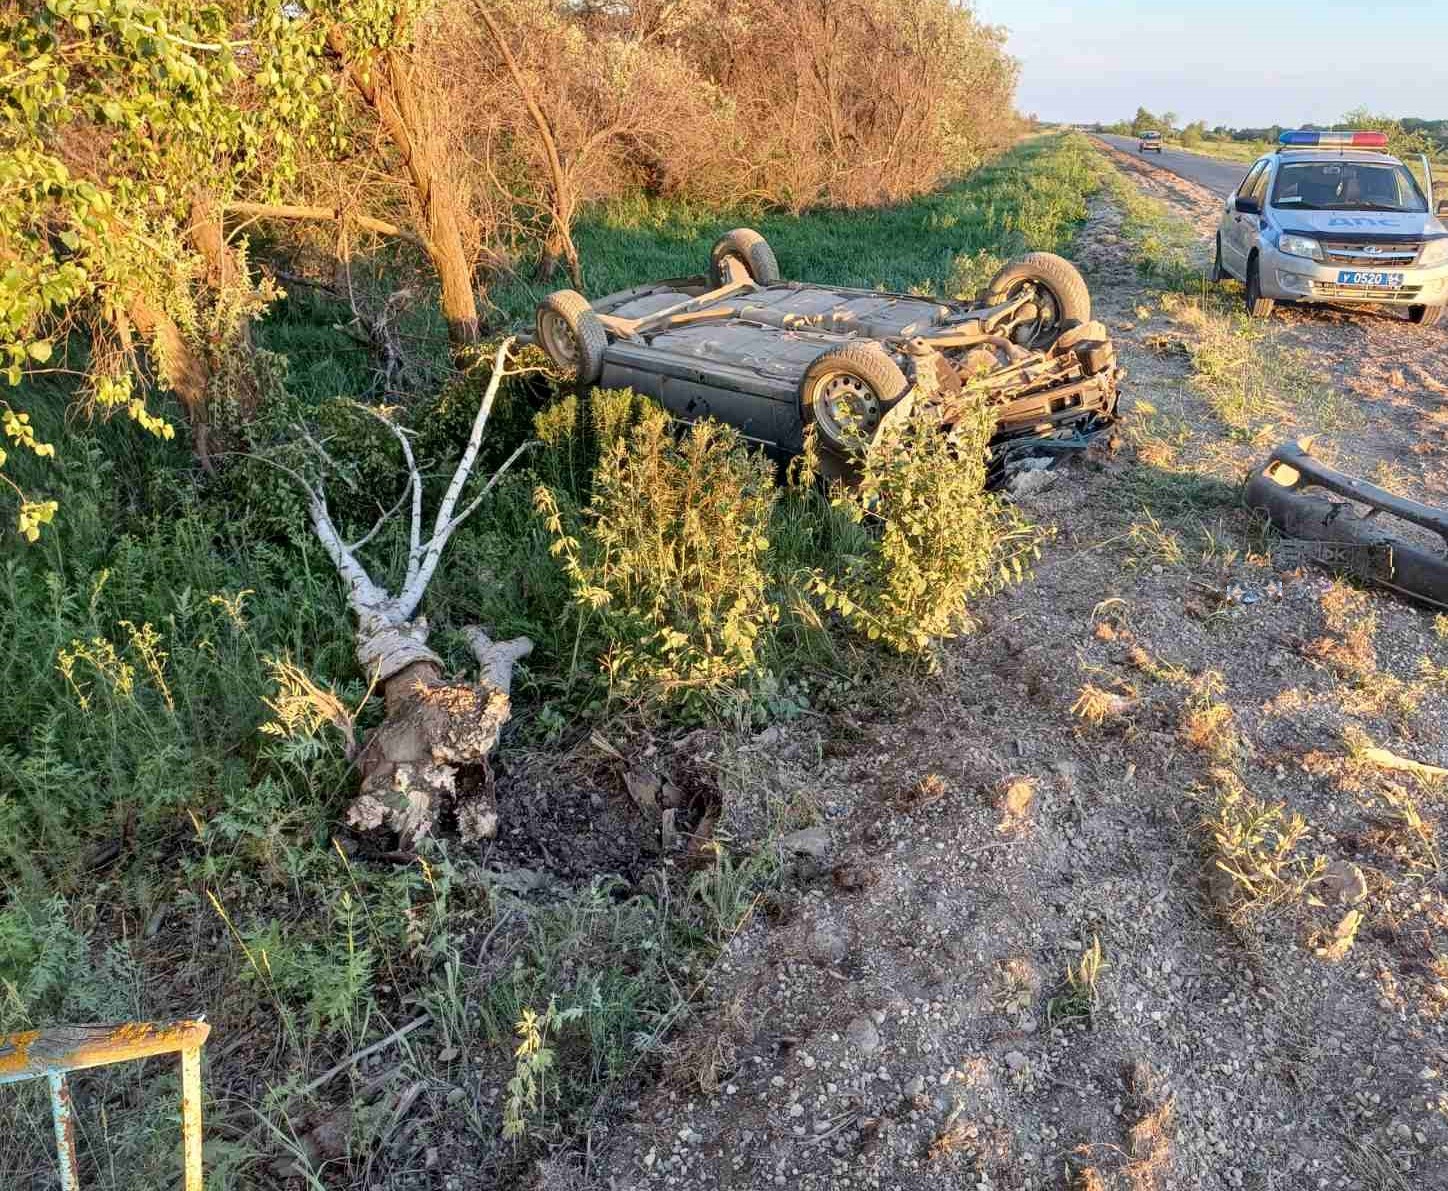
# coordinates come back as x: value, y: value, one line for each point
x: 667, y: 565
x: 938, y: 538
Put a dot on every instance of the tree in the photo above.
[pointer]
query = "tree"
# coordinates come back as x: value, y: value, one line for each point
x: 127, y: 124
x: 376, y: 43
x: 1144, y: 121
x: 434, y: 726
x: 1401, y: 142
x: 593, y: 102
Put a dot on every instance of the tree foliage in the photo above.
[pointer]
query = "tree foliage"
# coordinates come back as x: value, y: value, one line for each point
x: 127, y: 123
x: 1401, y: 141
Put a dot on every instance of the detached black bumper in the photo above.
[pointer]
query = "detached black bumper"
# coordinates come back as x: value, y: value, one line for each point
x: 1368, y: 548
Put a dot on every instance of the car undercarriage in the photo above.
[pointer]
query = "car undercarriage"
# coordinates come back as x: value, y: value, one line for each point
x: 777, y: 359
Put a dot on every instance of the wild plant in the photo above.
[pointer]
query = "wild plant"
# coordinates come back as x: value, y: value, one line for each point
x: 937, y: 538
x: 534, y: 1083
x: 667, y: 565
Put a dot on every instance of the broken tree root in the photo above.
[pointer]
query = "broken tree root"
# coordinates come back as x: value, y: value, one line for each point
x: 434, y: 728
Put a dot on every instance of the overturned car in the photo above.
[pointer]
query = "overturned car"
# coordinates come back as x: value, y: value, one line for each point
x: 775, y: 358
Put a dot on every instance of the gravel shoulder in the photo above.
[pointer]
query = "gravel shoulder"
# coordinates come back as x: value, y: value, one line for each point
x: 921, y: 1008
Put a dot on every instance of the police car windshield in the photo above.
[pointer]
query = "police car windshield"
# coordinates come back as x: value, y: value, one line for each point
x: 1347, y: 186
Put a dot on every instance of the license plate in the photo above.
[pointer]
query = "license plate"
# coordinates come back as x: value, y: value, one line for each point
x: 1371, y: 280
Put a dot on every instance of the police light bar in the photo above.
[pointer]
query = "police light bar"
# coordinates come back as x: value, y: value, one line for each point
x: 1334, y: 140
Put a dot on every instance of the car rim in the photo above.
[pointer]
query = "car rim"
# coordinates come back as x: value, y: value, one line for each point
x: 733, y: 267
x: 1048, y: 315
x: 846, y: 408
x: 558, y: 340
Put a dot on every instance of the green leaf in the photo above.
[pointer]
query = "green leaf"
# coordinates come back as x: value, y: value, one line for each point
x: 40, y: 350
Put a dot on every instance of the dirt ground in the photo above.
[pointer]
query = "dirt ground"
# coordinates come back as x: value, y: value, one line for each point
x: 905, y: 1019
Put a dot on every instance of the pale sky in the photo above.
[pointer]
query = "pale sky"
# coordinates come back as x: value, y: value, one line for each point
x: 1228, y: 62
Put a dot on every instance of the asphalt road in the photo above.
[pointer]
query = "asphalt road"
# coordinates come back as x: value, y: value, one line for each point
x: 1220, y: 177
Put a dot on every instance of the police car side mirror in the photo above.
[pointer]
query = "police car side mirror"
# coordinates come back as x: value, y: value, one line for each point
x: 1248, y: 206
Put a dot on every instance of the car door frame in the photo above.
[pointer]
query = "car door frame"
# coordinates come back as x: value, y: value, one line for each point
x: 1237, y: 235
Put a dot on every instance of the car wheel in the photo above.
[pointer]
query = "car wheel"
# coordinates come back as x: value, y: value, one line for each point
x: 1218, y: 272
x: 1057, y: 289
x: 745, y: 248
x: 845, y: 391
x: 572, y: 335
x: 1425, y: 316
x: 1257, y: 305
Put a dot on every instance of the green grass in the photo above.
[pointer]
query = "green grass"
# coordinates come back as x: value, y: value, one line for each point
x: 1032, y: 198
x: 1243, y: 151
x: 138, y: 788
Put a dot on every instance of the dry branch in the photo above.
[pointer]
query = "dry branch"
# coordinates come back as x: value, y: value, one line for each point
x: 1384, y: 759
x: 323, y: 214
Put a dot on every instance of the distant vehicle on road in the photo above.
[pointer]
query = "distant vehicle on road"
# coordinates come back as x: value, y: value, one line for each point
x: 1330, y: 217
x: 1149, y: 142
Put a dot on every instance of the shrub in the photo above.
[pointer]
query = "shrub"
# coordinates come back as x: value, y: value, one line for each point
x: 939, y: 538
x: 667, y: 564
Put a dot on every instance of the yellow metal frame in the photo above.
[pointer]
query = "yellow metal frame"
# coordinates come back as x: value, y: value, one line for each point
x: 50, y: 1054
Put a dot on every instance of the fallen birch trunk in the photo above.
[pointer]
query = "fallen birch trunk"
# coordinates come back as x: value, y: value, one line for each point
x: 436, y: 726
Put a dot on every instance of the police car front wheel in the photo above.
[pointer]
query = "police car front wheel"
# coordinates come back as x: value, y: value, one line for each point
x: 1257, y: 305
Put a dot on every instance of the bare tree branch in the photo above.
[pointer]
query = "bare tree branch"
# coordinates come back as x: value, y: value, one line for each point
x: 294, y: 476
x: 326, y: 459
x: 382, y: 520
x: 492, y: 482
x: 414, y: 537
x: 497, y: 658
x: 323, y: 214
x: 442, y: 529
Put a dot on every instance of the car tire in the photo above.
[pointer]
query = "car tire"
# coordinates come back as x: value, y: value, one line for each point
x: 1059, y: 278
x: 861, y: 375
x: 1425, y: 316
x: 572, y: 335
x: 751, y: 250
x: 1257, y: 305
x: 1219, y: 274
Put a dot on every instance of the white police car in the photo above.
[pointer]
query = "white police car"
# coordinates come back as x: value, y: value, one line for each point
x: 1329, y: 217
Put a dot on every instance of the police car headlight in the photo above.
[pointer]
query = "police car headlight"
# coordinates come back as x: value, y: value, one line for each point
x: 1435, y: 252
x: 1300, y: 246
